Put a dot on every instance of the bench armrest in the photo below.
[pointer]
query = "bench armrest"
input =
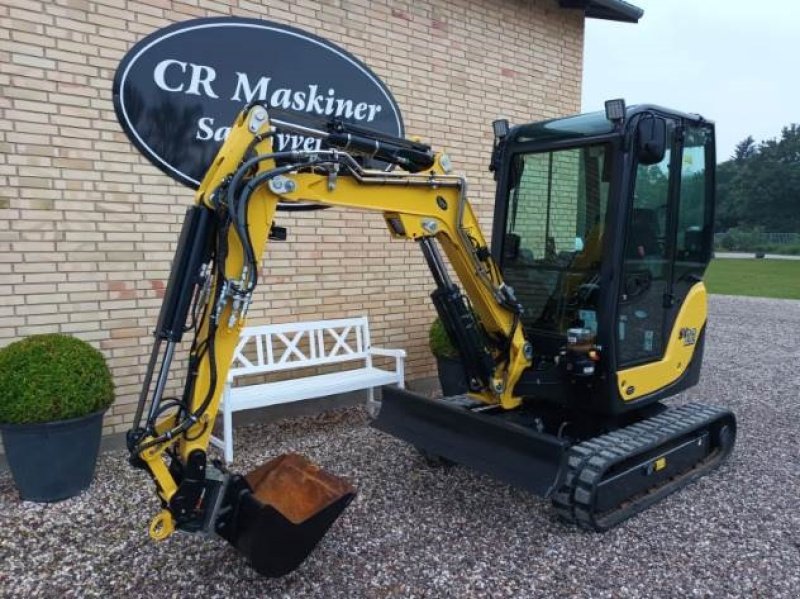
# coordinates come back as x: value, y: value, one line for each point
x: 389, y: 353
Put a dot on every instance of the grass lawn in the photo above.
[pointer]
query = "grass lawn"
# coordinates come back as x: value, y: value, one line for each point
x: 761, y: 278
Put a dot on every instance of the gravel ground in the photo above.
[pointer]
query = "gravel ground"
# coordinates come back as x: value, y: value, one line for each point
x: 416, y: 531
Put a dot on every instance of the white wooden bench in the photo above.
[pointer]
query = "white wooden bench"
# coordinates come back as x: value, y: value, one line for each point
x: 280, y: 347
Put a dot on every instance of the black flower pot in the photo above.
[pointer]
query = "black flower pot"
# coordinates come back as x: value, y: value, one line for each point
x: 452, y: 377
x: 50, y: 461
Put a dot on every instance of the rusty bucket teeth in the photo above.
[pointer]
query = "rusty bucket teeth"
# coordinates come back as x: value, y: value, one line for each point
x: 276, y: 514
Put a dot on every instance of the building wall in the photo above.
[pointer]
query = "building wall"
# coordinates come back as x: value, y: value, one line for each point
x: 88, y: 226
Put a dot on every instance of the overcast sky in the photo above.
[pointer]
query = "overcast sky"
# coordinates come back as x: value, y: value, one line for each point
x: 734, y: 62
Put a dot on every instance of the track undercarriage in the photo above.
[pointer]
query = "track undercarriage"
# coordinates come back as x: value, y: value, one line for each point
x: 614, y: 476
x: 595, y: 481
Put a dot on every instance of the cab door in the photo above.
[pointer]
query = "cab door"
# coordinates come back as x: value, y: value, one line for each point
x: 662, y: 302
x: 646, y: 270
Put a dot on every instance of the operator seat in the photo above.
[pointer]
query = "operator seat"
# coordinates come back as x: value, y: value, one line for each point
x: 643, y: 240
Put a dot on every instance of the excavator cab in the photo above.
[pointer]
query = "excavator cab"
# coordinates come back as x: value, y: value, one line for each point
x: 604, y: 226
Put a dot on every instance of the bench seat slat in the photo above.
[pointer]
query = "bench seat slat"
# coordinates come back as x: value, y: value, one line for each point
x: 238, y: 370
x: 278, y: 392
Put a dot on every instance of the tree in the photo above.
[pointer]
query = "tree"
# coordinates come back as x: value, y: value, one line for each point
x: 744, y: 149
x: 726, y: 213
x: 760, y: 185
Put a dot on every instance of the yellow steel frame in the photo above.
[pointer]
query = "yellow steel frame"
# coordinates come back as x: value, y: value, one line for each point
x: 430, y: 204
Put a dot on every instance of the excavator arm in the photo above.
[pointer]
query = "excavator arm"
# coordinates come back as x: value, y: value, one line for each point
x: 211, y: 287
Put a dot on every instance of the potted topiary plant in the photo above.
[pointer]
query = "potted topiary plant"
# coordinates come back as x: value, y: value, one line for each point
x: 452, y: 377
x: 54, y: 391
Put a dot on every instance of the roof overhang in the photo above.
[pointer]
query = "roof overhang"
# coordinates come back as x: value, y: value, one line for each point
x: 611, y: 10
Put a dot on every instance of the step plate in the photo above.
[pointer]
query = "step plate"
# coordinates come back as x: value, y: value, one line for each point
x: 486, y: 442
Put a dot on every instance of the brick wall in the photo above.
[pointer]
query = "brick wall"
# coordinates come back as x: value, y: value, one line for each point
x: 88, y: 226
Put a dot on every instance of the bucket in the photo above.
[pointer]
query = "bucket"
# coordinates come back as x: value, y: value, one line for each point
x: 276, y: 514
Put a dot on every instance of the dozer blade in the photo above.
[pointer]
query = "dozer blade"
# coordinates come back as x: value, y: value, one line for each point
x: 276, y: 514
x: 457, y: 429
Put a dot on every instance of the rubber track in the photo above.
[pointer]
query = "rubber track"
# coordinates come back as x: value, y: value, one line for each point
x: 587, y: 462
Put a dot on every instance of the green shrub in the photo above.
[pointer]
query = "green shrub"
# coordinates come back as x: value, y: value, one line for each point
x: 753, y: 239
x: 439, y: 341
x: 52, y: 377
x: 743, y: 239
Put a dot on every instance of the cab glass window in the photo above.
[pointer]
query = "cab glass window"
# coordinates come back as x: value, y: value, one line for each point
x: 554, y: 239
x: 693, y: 232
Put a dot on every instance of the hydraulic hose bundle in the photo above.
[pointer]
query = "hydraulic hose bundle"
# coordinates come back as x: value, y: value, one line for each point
x: 248, y: 511
x: 197, y: 271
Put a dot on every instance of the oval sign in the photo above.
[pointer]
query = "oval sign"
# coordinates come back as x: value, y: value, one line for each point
x: 177, y: 91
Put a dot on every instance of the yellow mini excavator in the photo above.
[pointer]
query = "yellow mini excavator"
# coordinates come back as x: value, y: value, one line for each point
x: 587, y: 311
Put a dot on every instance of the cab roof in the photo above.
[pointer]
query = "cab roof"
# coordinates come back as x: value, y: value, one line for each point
x: 586, y: 125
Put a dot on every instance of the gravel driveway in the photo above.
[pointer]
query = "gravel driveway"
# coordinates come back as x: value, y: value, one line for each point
x: 415, y: 531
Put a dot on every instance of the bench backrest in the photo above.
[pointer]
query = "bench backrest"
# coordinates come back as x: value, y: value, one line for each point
x: 274, y: 347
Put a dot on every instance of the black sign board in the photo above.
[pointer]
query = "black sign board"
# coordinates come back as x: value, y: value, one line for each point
x: 177, y: 91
